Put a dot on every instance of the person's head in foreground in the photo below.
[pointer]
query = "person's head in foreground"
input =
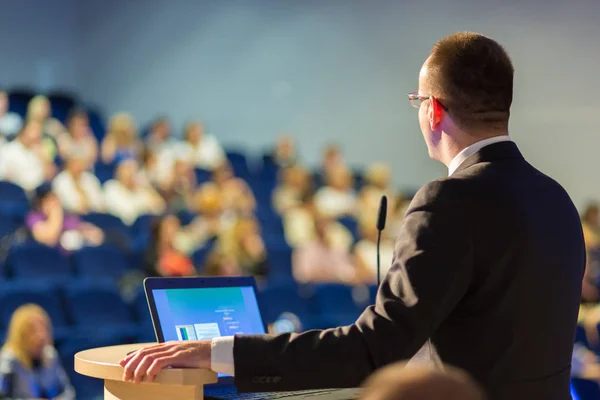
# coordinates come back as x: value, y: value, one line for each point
x: 401, y: 382
x: 465, y: 93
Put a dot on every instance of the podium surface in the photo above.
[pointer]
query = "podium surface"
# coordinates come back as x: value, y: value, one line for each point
x: 170, y: 383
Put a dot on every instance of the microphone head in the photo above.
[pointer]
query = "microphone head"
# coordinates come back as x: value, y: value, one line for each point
x: 382, y: 214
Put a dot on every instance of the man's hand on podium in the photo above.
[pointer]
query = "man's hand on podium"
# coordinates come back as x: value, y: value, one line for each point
x: 146, y: 363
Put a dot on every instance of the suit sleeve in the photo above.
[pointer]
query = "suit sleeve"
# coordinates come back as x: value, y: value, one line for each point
x: 435, y: 247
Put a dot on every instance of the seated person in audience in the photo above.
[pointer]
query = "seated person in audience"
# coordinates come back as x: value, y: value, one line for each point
x: 50, y: 225
x: 396, y: 212
x: 299, y: 228
x: 237, y: 195
x: 377, y: 184
x: 201, y: 149
x: 285, y: 154
x: 78, y: 140
x: 244, y: 243
x: 399, y: 381
x: 121, y: 141
x: 295, y: 185
x: 22, y: 160
x: 365, y: 251
x: 10, y: 122
x: 79, y: 191
x: 338, y: 198
x: 162, y: 257
x: 29, y: 364
x: 160, y: 137
x: 179, y: 188
x: 221, y: 264
x: 39, y: 110
x: 585, y: 363
x: 211, y: 221
x: 332, y: 159
x: 319, y: 261
x: 127, y: 197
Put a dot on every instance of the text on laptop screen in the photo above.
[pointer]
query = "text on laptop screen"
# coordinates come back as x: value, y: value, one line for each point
x: 205, y: 313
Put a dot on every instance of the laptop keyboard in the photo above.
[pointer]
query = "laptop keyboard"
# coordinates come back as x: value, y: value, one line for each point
x: 231, y: 393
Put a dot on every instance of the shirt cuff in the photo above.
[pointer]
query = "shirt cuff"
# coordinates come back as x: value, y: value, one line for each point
x: 221, y: 355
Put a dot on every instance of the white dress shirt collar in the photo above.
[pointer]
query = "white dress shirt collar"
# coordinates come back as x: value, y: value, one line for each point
x: 472, y: 149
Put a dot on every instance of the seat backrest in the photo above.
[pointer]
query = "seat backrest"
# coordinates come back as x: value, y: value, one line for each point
x: 36, y: 261
x: 14, y: 295
x: 334, y: 298
x: 96, y: 305
x: 13, y: 199
x: 102, y: 261
x: 274, y: 301
x: 585, y: 389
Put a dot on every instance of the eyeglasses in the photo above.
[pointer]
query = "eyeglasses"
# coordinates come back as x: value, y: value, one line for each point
x: 416, y: 100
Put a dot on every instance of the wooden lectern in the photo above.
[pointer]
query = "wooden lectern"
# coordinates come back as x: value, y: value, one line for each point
x: 171, y: 383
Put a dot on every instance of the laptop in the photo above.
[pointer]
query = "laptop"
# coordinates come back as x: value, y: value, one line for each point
x: 204, y: 308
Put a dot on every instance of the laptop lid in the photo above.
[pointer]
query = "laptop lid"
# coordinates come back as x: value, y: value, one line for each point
x: 203, y: 308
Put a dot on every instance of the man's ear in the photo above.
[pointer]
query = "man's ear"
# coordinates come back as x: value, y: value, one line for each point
x: 435, y: 113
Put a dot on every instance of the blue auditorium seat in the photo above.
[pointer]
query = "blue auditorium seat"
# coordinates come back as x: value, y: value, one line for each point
x: 116, y: 232
x: 8, y: 225
x: 335, y: 305
x: 61, y: 102
x: 280, y: 266
x: 351, y: 224
x: 145, y: 330
x: 99, y: 307
x: 13, y: 200
x: 105, y: 172
x: 142, y: 225
x: 202, y: 175
x: 34, y: 261
x: 96, y: 123
x: 86, y: 388
x: 200, y: 256
x: 19, y: 99
x: 585, y: 389
x: 16, y: 294
x: 268, y: 171
x: 359, y: 179
x: 239, y: 163
x: 275, y: 300
x: 105, y: 261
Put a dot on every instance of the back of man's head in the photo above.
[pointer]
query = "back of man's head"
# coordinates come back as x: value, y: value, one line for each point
x: 399, y: 382
x: 472, y: 75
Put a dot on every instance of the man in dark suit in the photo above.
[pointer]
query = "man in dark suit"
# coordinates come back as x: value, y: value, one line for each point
x: 487, y: 268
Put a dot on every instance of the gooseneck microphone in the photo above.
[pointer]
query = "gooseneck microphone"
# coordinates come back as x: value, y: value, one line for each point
x: 381, y: 215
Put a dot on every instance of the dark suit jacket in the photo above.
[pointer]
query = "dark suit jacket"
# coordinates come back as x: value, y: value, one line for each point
x: 495, y: 254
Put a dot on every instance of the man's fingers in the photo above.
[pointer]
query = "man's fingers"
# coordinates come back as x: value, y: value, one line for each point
x: 134, y: 359
x: 147, y: 361
x: 158, y: 364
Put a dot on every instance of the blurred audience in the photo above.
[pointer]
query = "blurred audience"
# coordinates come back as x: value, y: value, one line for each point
x: 319, y: 261
x: 237, y: 195
x: 29, y: 364
x: 219, y: 263
x: 294, y: 186
x: 22, y: 160
x: 121, y: 141
x: 244, y: 243
x: 365, y: 251
x: 377, y: 184
x: 50, y: 225
x: 127, y: 197
x: 337, y: 198
x: 332, y: 159
x: 39, y: 110
x: 78, y: 140
x: 179, y: 187
x: 10, y: 122
x: 285, y: 154
x: 162, y: 258
x: 585, y: 363
x: 401, y: 382
x: 200, y: 149
x: 79, y: 190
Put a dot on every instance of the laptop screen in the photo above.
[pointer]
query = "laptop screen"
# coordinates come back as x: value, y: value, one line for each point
x: 205, y: 313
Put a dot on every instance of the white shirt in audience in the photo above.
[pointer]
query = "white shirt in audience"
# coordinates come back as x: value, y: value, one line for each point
x: 10, y: 124
x: 64, y: 186
x: 335, y: 203
x: 367, y: 251
x: 127, y: 204
x: 20, y: 165
x: 299, y: 230
x: 207, y: 154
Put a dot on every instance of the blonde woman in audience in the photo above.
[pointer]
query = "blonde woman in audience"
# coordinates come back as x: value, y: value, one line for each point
x: 295, y: 185
x: 365, y: 251
x: 338, y: 198
x: 299, y: 228
x: 319, y: 261
x: 211, y: 221
x: 332, y: 159
x: 23, y: 162
x: 127, y: 198
x: 121, y: 141
x: 39, y: 110
x: 237, y: 195
x: 244, y: 242
x: 285, y: 154
x: 201, y: 149
x: 377, y: 184
x: 221, y: 264
x: 78, y: 140
x: 29, y: 363
x: 79, y: 191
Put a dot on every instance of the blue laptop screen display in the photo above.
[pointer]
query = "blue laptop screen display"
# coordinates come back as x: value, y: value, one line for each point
x: 205, y: 313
